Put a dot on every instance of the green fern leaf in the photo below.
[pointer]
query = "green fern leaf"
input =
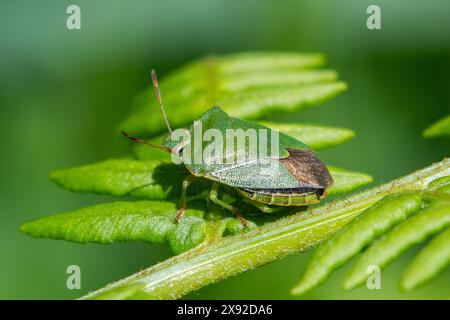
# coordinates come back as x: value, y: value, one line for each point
x: 438, y: 129
x: 412, y: 231
x: 433, y: 259
x: 347, y: 181
x: 248, y: 85
x: 124, y: 177
x: 149, y: 221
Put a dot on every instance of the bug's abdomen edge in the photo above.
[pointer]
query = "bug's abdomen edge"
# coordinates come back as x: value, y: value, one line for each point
x: 284, y: 197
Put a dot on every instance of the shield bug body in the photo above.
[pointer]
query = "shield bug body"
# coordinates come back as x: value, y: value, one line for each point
x: 284, y: 172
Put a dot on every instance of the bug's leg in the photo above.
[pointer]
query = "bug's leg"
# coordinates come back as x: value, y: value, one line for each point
x: 183, y: 199
x: 213, y: 196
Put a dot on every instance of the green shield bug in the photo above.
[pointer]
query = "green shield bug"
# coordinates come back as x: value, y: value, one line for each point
x: 270, y: 170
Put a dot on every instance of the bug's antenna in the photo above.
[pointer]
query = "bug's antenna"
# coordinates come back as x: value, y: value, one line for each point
x: 159, y: 99
x: 143, y: 141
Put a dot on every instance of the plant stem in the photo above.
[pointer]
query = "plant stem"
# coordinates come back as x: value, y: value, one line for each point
x: 212, y: 262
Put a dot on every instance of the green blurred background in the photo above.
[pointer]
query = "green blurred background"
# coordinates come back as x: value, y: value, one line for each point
x: 63, y: 93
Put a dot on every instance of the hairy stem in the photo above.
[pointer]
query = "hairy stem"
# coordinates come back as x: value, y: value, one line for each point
x: 212, y: 262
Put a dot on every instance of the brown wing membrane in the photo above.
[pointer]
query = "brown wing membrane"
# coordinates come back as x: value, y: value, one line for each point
x: 307, y: 168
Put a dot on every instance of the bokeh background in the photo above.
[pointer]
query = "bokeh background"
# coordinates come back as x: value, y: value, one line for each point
x: 63, y: 93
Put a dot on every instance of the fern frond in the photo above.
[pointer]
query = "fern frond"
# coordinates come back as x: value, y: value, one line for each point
x: 248, y: 85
